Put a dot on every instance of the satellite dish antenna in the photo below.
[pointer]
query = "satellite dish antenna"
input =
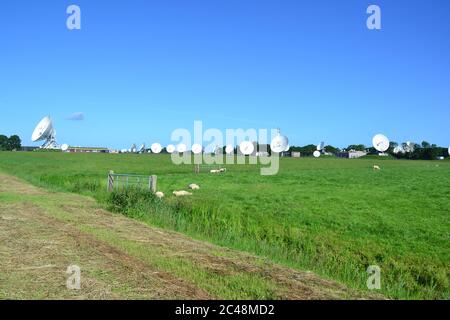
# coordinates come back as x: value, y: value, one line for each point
x: 124, y: 151
x: 141, y: 148
x: 229, y: 149
x: 133, y: 148
x: 399, y: 149
x: 246, y: 148
x: 279, y: 143
x: 44, y: 131
x: 409, y: 146
x: 170, y: 148
x: 64, y: 147
x: 380, y: 142
x: 448, y: 151
x: 156, y: 148
x: 321, y: 146
x: 316, y: 154
x: 197, y: 148
x: 287, y: 148
x: 181, y: 148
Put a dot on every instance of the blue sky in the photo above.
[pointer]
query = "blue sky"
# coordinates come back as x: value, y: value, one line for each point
x: 138, y: 69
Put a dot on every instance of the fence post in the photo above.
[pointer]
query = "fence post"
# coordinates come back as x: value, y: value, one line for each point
x: 153, y: 180
x: 110, y: 181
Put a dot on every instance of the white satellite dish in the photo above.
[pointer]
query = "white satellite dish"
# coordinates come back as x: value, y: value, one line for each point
x: 287, y: 148
x: 321, y: 146
x: 399, y: 149
x: 156, y: 148
x: 380, y: 142
x: 197, y: 148
x: 181, y: 148
x: 246, y: 148
x: 229, y: 149
x: 170, y: 148
x: 133, y: 148
x: 448, y: 150
x: 316, y: 154
x: 279, y: 143
x: 44, y: 131
x: 124, y: 151
x: 64, y: 147
x: 141, y: 148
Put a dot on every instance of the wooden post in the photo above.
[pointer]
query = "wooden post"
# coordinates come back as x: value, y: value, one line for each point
x: 110, y: 181
x: 153, y: 180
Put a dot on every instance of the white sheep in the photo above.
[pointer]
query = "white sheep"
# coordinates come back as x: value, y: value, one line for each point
x: 194, y: 186
x: 215, y: 171
x: 375, y: 167
x: 223, y: 170
x: 159, y: 195
x: 181, y: 193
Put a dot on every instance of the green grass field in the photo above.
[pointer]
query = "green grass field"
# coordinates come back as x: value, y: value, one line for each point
x: 331, y: 216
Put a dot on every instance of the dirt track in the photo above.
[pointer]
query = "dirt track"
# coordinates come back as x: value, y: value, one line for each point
x: 42, y: 233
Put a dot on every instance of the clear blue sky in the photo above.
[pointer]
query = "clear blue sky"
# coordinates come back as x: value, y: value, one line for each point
x: 138, y: 69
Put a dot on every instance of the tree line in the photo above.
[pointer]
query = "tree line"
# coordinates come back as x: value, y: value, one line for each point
x: 413, y: 151
x: 11, y: 143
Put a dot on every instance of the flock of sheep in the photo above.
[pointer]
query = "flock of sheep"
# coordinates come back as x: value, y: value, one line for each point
x: 192, y: 186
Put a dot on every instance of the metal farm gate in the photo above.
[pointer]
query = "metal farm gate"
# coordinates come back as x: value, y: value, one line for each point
x: 121, y: 181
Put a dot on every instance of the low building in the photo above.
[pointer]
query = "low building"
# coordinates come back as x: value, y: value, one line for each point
x: 352, y: 154
x: 87, y: 150
x: 295, y: 154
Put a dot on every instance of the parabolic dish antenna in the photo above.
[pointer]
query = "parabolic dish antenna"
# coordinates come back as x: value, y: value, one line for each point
x: 141, y: 148
x: 156, y: 148
x: 316, y: 154
x: 380, y: 143
x: 181, y: 148
x: 64, y: 147
x: 279, y: 143
x: 229, y: 149
x: 170, y: 148
x: 287, y: 148
x: 44, y: 131
x: 133, y: 148
x: 398, y: 149
x: 321, y: 146
x: 448, y: 151
x: 246, y: 148
x: 197, y: 148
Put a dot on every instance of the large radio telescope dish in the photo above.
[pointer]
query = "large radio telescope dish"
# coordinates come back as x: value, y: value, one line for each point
x: 181, y: 148
x: 279, y: 143
x: 380, y: 143
x: 316, y: 154
x: 156, y: 148
x: 170, y: 148
x: 229, y: 149
x: 246, y: 148
x: 197, y: 148
x: 321, y: 146
x: 44, y: 131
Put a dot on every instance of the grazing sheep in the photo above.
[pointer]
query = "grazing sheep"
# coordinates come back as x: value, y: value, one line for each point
x: 223, y: 170
x: 181, y: 193
x: 159, y: 195
x: 375, y: 167
x: 194, y: 186
x: 214, y: 171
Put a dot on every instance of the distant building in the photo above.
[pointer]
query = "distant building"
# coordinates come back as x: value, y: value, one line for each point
x: 295, y: 154
x: 87, y: 150
x: 352, y: 154
x: 28, y: 148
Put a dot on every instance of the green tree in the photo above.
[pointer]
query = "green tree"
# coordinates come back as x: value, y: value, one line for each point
x: 356, y: 147
x: 332, y: 149
x: 14, y: 143
x: 3, y: 143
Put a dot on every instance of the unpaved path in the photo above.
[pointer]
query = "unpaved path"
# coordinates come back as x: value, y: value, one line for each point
x: 42, y: 233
